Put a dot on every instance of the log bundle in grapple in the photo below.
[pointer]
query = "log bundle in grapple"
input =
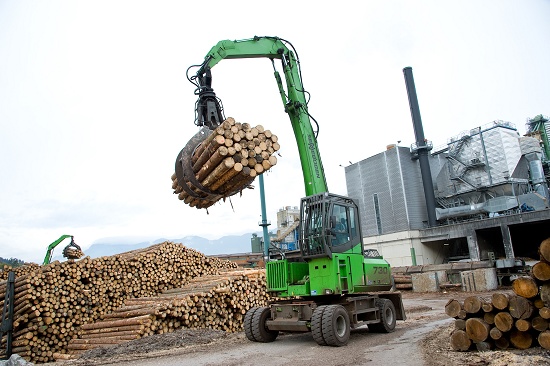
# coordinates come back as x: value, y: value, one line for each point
x: 224, y: 163
x: 53, y: 301
x: 518, y: 319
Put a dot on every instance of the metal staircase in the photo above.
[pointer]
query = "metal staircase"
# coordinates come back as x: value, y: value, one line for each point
x: 285, y: 233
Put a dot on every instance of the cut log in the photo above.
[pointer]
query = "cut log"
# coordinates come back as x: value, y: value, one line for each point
x: 63, y: 356
x: 472, y: 305
x: 477, y: 329
x: 539, y: 324
x: 544, y: 250
x: 544, y: 339
x: 500, y: 300
x: 538, y: 303
x: 504, y: 321
x: 523, y: 325
x: 487, y: 307
x: 401, y: 278
x: 520, y: 307
x: 118, y: 323
x: 460, y: 341
x: 484, y: 346
x: 544, y: 312
x: 545, y: 294
x: 502, y: 343
x: 489, y: 318
x: 495, y: 333
x: 404, y: 286
x: 453, y: 308
x: 541, y: 271
x: 520, y: 340
x: 460, y: 324
x: 525, y: 286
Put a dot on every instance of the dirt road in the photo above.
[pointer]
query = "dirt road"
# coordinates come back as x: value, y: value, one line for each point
x: 423, y: 339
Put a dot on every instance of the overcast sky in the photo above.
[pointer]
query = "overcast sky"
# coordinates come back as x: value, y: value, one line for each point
x: 95, y: 104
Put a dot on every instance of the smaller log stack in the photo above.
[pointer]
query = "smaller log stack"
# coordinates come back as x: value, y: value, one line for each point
x: 213, y: 301
x: 227, y: 162
x: 403, y: 281
x: 19, y: 271
x: 518, y: 319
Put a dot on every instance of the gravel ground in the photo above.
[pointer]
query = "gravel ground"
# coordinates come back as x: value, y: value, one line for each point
x: 424, y: 311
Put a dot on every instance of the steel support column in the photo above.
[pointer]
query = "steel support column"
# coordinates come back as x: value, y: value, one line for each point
x: 507, y: 241
x: 473, y: 246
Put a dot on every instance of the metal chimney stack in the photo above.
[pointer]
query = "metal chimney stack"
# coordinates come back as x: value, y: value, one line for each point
x: 422, y: 147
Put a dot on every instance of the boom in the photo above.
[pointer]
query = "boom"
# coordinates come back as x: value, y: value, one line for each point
x: 51, y: 247
x: 293, y: 97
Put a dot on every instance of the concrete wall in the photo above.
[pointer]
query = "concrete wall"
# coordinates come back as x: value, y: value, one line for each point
x: 484, y: 279
x: 396, y: 248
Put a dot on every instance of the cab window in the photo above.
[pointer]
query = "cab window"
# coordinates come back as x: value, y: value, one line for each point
x: 341, y: 227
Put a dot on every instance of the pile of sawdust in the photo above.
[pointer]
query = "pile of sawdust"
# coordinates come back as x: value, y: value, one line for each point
x: 158, y: 342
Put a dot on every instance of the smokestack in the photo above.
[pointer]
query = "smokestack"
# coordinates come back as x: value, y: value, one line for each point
x: 421, y: 146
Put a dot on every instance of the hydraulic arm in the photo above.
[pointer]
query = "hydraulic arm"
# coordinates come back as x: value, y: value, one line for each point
x: 209, y: 112
x: 66, y: 253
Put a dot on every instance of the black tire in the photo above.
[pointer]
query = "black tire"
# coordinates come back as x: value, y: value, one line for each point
x: 247, y: 323
x: 336, y: 325
x: 259, y: 330
x: 388, y: 317
x: 317, y: 325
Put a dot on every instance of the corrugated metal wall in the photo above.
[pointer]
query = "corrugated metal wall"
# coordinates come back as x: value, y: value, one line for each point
x: 395, y: 179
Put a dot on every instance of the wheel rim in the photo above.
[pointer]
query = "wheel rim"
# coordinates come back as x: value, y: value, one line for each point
x: 389, y: 316
x: 340, y: 326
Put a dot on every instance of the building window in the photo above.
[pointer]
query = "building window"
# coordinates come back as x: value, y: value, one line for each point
x: 377, y: 213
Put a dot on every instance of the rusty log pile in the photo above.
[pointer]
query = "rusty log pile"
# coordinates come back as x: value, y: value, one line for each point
x: 212, y: 301
x: 227, y: 162
x: 52, y: 302
x: 518, y: 319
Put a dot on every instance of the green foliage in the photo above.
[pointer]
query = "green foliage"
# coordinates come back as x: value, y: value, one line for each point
x: 12, y: 262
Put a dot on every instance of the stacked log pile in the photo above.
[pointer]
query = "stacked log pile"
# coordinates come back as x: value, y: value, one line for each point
x: 54, y: 301
x: 227, y: 162
x: 403, y: 281
x: 518, y: 319
x: 213, y: 301
x: 19, y: 271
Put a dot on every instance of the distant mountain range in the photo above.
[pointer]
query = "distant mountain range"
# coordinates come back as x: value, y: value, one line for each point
x: 225, y: 245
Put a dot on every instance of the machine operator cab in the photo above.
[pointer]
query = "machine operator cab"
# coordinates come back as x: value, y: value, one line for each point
x: 330, y: 224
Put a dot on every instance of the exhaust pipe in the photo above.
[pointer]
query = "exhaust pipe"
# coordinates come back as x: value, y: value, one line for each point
x: 422, y: 147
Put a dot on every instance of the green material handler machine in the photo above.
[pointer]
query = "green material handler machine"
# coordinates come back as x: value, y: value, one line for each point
x: 331, y: 284
x: 71, y: 251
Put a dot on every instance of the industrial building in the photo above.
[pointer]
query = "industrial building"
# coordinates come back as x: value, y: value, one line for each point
x: 286, y: 236
x: 491, y: 197
x: 288, y: 220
